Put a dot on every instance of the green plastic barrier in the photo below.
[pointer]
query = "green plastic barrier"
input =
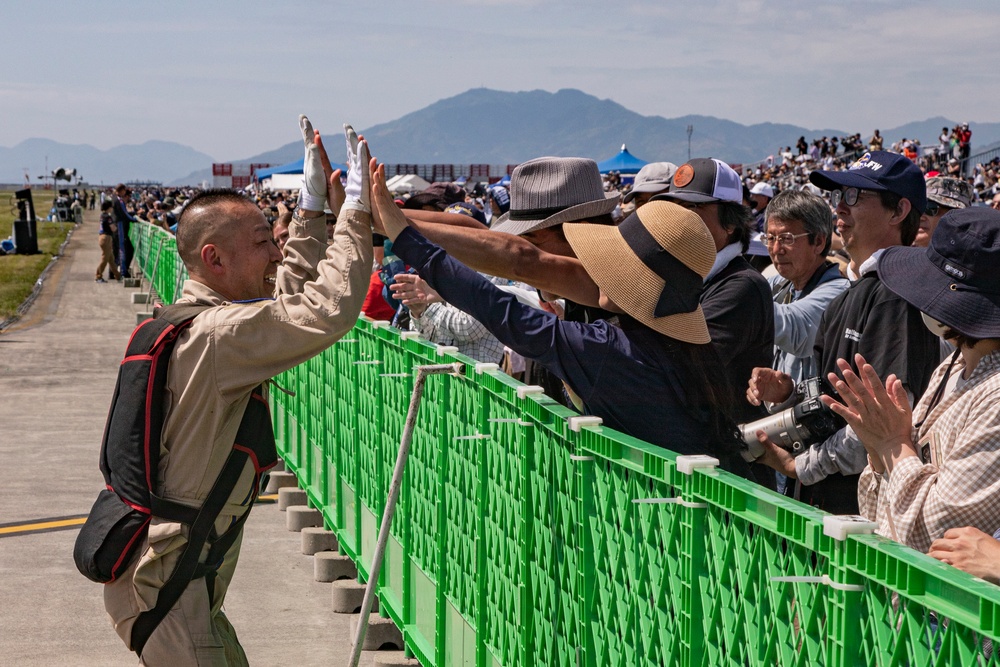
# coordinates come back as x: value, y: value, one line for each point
x: 156, y: 255
x: 520, y: 541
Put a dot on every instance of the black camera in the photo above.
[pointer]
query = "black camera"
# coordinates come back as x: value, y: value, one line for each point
x: 795, y: 428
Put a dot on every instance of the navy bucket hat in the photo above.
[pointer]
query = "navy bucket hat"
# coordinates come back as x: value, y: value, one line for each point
x: 956, y: 279
x: 879, y: 170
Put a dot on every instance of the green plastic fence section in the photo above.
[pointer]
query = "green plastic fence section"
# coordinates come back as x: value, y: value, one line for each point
x: 519, y: 541
x: 156, y: 254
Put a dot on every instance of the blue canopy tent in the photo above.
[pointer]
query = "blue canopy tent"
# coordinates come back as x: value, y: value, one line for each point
x: 291, y: 168
x: 624, y: 163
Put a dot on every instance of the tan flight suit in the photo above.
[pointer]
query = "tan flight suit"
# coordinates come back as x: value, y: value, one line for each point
x: 218, y: 360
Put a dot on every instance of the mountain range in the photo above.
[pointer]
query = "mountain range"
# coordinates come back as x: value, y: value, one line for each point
x: 485, y: 126
x: 157, y: 161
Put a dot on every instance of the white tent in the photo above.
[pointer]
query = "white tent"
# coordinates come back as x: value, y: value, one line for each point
x: 406, y: 183
x: 276, y: 182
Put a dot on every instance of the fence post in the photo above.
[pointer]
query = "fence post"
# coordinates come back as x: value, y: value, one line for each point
x: 694, y: 570
x: 586, y: 652
x: 845, y: 608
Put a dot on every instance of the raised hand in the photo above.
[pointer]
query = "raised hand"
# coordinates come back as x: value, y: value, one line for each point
x: 312, y: 195
x: 335, y: 187
x: 357, y: 192
x: 386, y: 216
x: 413, y: 291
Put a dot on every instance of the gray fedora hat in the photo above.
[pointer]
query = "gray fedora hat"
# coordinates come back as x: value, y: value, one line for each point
x: 548, y: 191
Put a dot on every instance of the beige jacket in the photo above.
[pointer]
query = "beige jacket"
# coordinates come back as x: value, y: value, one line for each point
x: 226, y: 352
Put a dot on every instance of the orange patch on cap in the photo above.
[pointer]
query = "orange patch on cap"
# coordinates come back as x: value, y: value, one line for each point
x: 683, y: 175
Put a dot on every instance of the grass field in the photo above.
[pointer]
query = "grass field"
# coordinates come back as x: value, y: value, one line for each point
x: 18, y: 273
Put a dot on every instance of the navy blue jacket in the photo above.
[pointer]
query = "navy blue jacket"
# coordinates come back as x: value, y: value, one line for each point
x: 628, y: 375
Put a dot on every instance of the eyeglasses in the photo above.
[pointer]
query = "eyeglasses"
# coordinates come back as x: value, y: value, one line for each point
x: 933, y: 208
x: 785, y: 240
x: 848, y: 195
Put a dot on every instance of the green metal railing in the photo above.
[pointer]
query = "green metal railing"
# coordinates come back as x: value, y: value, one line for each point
x: 520, y: 540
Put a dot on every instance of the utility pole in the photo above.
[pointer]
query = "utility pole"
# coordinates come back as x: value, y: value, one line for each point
x: 690, y: 131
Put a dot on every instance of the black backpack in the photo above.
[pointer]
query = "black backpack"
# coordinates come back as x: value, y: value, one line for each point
x: 130, y: 456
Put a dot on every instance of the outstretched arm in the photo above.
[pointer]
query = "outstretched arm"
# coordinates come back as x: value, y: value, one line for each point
x: 443, y: 218
x: 512, y: 257
x: 493, y: 253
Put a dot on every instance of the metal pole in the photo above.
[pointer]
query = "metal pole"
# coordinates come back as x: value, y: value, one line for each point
x: 390, y: 503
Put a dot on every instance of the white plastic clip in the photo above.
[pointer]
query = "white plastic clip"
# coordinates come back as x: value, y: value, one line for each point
x: 381, y: 324
x: 687, y: 464
x: 483, y: 366
x: 579, y: 421
x: 669, y: 501
x: 528, y: 390
x: 841, y: 525
x: 409, y: 335
x: 374, y: 362
x: 821, y: 580
x: 446, y: 349
x: 577, y: 457
x: 475, y: 436
x: 394, y: 375
x: 348, y: 340
x: 519, y: 422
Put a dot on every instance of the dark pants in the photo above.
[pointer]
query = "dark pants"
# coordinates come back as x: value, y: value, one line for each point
x: 125, y: 250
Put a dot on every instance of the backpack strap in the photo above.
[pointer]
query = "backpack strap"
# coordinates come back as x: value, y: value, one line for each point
x: 245, y: 447
x: 187, y: 566
x: 179, y: 312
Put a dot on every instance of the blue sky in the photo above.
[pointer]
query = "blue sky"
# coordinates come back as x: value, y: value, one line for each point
x: 230, y: 78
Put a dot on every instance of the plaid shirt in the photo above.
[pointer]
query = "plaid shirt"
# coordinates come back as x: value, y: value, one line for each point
x: 964, y: 488
x: 444, y: 324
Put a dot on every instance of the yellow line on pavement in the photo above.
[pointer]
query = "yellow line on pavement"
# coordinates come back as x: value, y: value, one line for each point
x: 42, y: 525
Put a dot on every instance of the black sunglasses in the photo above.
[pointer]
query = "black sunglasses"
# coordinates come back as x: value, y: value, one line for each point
x: 933, y: 208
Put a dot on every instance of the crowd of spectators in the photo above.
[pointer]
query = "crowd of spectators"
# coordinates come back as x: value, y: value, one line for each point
x: 795, y: 285
x: 789, y: 168
x: 817, y: 225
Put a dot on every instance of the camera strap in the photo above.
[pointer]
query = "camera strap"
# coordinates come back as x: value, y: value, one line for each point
x: 939, y: 391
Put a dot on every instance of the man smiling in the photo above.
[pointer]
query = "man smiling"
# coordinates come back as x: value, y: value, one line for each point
x: 879, y: 201
x: 244, y: 336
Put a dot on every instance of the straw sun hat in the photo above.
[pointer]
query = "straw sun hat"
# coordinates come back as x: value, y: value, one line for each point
x: 652, y: 266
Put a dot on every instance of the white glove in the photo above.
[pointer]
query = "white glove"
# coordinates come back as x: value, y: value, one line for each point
x: 312, y: 195
x: 358, y: 187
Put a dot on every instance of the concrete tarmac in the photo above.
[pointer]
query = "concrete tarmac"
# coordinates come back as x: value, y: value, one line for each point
x: 58, y: 365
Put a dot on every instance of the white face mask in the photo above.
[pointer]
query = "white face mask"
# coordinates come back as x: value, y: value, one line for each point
x: 933, y: 325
